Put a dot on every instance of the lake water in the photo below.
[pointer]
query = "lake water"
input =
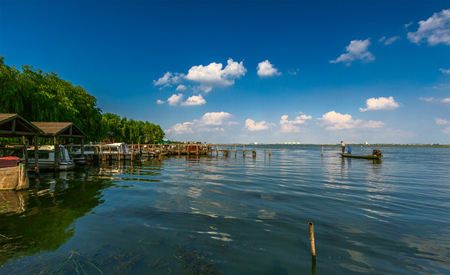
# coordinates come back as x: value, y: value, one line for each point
x: 227, y: 215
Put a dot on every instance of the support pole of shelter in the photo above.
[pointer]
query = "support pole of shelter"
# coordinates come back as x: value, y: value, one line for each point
x: 36, y: 156
x: 82, y: 146
x: 25, y: 151
x: 56, y: 141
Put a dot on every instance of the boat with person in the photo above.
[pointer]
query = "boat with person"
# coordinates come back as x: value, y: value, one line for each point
x: 376, y: 154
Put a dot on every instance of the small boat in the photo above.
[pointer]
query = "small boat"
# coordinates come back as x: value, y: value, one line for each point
x: 46, y: 155
x: 376, y: 154
x: 361, y: 157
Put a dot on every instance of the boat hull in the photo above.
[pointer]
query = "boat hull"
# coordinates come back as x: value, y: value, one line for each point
x: 361, y: 157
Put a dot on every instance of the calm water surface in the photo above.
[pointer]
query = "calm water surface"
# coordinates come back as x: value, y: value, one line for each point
x: 227, y: 215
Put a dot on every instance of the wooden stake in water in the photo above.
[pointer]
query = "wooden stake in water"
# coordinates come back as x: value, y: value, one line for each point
x: 311, y: 238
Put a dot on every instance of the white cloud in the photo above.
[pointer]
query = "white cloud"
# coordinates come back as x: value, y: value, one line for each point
x: 181, y: 128
x: 438, y: 100
x: 380, y: 103
x: 382, y: 39
x: 168, y: 79
x: 174, y: 100
x: 214, y: 118
x: 434, y: 30
x: 357, y: 50
x: 336, y: 121
x: 445, y: 71
x: 446, y: 130
x: 427, y: 99
x: 210, y: 122
x: 159, y: 101
x: 407, y: 25
x: 181, y: 88
x: 251, y: 125
x: 194, y: 100
x: 212, y: 75
x: 391, y: 40
x: 440, y: 121
x: 265, y: 69
x: 289, y: 126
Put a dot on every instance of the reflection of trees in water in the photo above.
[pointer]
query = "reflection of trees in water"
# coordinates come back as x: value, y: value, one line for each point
x: 42, y: 219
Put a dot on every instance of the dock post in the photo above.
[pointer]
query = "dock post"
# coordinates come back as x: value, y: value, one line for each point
x: 235, y: 151
x: 270, y: 152
x: 322, y: 152
x: 311, y: 238
x: 254, y: 154
x: 132, y: 151
x: 264, y: 152
x: 243, y: 151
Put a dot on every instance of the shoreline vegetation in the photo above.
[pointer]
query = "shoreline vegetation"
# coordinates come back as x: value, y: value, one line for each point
x: 39, y: 96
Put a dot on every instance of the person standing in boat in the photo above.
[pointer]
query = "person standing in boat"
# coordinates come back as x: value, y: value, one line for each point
x: 343, y: 147
x: 349, y: 150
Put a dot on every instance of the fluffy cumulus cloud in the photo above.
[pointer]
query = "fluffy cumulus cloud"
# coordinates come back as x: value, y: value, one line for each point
x: 181, y: 88
x: 168, y: 79
x: 266, y: 69
x: 434, y: 30
x: 159, y: 101
x: 194, y: 100
x: 213, y: 75
x: 289, y: 126
x: 381, y: 103
x: 177, y: 100
x: 210, y: 122
x: 336, y: 121
x: 181, y: 128
x: 357, y: 50
x: 252, y: 125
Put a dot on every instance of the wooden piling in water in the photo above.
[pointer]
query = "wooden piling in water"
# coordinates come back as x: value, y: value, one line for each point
x: 322, y: 152
x: 270, y: 152
x: 311, y: 238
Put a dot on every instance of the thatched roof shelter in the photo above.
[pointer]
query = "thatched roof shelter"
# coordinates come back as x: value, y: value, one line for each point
x: 61, y: 129
x: 13, y: 125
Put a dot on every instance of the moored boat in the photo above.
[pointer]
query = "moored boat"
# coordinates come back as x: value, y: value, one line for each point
x: 376, y: 154
x: 46, y: 155
x: 361, y: 157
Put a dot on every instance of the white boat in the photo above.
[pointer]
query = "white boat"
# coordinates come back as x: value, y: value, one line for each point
x: 46, y: 155
x: 112, y: 150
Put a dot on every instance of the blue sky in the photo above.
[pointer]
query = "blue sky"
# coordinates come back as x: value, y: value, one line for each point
x: 253, y: 71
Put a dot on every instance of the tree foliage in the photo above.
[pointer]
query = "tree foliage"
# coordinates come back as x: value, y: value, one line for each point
x: 130, y: 130
x: 40, y: 96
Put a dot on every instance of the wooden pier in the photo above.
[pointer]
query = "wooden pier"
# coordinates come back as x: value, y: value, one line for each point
x: 107, y: 152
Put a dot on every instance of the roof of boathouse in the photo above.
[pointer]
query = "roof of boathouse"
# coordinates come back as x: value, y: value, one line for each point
x: 61, y: 129
x: 13, y: 125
